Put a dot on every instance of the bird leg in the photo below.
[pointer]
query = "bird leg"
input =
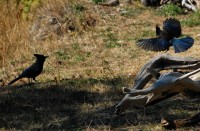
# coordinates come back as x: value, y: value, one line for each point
x: 166, y: 50
x: 29, y: 81
x: 35, y: 79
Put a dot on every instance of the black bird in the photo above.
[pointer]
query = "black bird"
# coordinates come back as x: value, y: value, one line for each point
x: 167, y: 37
x: 34, y: 70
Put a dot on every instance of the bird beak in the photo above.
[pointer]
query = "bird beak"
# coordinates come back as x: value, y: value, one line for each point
x: 46, y: 56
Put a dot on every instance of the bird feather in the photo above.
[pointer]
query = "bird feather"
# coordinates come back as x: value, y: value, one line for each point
x: 153, y: 44
x: 182, y: 44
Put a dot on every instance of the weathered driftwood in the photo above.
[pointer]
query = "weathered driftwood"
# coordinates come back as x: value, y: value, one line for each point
x: 167, y: 85
x: 164, y: 62
x: 173, y: 124
x: 193, y: 5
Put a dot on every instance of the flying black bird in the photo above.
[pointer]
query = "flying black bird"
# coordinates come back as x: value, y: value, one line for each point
x: 34, y: 70
x: 166, y: 38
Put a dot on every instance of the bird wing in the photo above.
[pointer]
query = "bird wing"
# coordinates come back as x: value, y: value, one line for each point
x: 31, y: 71
x: 153, y: 44
x: 182, y: 44
x: 172, y: 26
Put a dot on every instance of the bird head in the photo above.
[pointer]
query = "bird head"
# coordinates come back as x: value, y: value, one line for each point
x: 40, y: 57
x: 158, y: 30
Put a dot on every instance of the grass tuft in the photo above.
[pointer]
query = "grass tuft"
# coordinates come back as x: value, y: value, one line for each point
x: 193, y: 20
x: 98, y: 1
x: 170, y: 10
x: 132, y: 12
x: 110, y: 38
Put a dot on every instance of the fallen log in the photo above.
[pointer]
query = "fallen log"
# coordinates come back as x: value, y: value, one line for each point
x: 167, y: 85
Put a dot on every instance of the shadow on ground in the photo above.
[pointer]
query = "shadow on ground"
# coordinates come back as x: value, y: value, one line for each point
x: 75, y: 104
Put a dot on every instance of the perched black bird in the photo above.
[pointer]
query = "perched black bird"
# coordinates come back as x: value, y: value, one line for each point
x: 34, y: 70
x: 166, y: 38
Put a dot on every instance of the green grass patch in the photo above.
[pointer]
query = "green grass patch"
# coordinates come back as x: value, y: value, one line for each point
x: 169, y: 10
x: 98, y: 1
x: 193, y: 20
x: 27, y: 5
x: 110, y: 38
x: 131, y: 12
x: 78, y: 8
x: 61, y: 55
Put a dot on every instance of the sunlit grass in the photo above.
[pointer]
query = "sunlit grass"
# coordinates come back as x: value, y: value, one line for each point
x: 170, y: 10
x: 192, y: 20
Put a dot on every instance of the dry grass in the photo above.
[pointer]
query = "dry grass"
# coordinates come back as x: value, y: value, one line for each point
x: 90, y: 65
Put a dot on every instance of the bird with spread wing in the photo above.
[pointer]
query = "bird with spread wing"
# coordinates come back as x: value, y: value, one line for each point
x: 167, y: 37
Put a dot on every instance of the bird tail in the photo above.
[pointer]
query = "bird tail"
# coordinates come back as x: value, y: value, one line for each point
x: 182, y: 44
x: 16, y: 79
